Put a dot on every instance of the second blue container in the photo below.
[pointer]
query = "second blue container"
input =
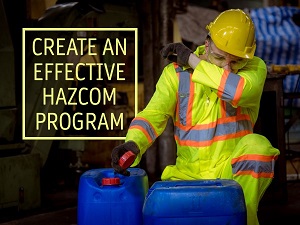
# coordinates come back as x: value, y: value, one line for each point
x: 209, y: 202
x: 108, y: 198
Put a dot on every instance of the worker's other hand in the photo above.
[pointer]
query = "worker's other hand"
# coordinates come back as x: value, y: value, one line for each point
x: 118, y: 152
x: 176, y: 52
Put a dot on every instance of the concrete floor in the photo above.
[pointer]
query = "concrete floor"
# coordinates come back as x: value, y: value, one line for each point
x: 61, y: 210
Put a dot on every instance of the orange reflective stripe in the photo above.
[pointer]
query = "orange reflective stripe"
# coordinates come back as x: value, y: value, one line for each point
x: 145, y: 126
x: 138, y: 127
x: 211, y: 141
x: 254, y: 174
x: 255, y: 157
x: 223, y: 83
x: 214, y: 124
x: 231, y: 87
x: 239, y: 91
x: 258, y: 166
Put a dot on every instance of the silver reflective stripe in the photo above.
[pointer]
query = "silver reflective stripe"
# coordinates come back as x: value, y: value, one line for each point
x: 146, y: 126
x: 183, y: 94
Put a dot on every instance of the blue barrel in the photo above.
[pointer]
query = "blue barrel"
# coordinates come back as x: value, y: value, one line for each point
x: 108, y: 198
x: 209, y: 202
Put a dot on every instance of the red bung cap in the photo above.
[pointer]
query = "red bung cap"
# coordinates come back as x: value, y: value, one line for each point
x: 127, y: 159
x: 110, y: 181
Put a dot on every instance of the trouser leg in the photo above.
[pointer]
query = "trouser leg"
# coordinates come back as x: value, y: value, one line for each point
x: 252, y: 166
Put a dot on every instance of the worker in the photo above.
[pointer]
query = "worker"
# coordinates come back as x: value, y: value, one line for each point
x: 213, y: 96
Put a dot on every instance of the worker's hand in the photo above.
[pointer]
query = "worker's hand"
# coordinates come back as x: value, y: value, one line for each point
x: 176, y: 52
x: 118, y: 152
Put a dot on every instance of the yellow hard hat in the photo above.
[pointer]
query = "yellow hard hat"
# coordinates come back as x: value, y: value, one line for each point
x: 233, y: 32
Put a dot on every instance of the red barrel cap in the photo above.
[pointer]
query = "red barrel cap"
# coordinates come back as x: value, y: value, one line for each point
x: 110, y: 181
x: 127, y: 159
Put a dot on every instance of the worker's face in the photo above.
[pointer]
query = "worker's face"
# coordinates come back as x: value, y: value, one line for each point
x: 223, y: 59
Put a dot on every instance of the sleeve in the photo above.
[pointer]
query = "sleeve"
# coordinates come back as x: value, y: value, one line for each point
x: 241, y: 89
x: 151, y: 122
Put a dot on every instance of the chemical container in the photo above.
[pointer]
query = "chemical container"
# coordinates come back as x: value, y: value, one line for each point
x: 109, y: 198
x: 207, y: 202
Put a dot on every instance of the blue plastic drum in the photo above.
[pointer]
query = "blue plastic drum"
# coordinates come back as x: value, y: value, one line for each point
x: 108, y: 198
x: 209, y: 202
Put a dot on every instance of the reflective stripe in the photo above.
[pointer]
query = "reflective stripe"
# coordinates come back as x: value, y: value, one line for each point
x: 231, y: 87
x: 239, y: 91
x: 185, y: 96
x: 205, y: 135
x: 230, y: 110
x: 144, y: 125
x: 231, y: 125
x: 258, y: 166
x: 222, y: 83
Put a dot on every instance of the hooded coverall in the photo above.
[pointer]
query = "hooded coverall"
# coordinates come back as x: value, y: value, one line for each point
x: 214, y: 112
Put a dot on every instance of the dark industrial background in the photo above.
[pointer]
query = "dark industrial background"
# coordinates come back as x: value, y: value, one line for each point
x: 39, y: 178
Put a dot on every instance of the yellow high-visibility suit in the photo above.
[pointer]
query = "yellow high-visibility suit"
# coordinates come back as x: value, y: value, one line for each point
x: 214, y: 112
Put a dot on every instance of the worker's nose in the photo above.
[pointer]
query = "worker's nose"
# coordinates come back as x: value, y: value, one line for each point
x: 227, y: 67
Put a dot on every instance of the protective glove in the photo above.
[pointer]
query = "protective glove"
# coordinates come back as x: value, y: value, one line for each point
x: 118, y: 152
x: 176, y: 52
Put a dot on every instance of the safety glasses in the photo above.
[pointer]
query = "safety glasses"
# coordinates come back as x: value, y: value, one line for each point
x: 224, y: 59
